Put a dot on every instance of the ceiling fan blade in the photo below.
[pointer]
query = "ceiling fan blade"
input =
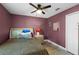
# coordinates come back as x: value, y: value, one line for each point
x: 33, y: 11
x: 43, y: 12
x: 33, y: 5
x: 46, y: 7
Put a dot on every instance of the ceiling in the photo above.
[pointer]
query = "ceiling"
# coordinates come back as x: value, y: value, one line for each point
x: 26, y: 9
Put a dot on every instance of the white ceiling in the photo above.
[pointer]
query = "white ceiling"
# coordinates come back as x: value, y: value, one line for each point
x: 26, y: 9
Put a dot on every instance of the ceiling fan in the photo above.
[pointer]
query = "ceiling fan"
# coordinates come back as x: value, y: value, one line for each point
x: 39, y: 8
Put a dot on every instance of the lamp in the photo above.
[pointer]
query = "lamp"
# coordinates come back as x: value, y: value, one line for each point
x: 38, y: 30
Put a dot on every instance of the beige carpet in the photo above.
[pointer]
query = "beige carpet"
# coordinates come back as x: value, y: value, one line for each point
x: 54, y: 50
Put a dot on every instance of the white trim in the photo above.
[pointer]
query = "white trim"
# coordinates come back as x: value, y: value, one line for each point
x: 53, y: 43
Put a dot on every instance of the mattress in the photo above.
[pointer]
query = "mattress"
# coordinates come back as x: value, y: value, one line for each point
x: 20, y: 47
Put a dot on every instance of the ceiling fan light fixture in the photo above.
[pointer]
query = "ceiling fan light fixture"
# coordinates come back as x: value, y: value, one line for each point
x: 39, y: 11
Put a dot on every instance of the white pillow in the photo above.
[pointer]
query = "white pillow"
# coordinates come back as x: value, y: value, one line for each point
x: 25, y: 35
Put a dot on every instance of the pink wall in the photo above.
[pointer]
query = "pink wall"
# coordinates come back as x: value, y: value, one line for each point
x: 27, y: 21
x: 4, y: 24
x: 59, y: 36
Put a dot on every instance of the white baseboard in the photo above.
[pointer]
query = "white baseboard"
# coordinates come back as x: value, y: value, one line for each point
x: 56, y: 44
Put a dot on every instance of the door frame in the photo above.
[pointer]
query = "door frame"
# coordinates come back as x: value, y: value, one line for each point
x: 65, y: 28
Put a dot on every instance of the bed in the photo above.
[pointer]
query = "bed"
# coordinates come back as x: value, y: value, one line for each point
x: 22, y: 46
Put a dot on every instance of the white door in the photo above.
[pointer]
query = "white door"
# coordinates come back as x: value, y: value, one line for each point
x: 72, y: 32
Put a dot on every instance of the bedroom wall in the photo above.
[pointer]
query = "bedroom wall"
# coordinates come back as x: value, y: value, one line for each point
x: 59, y: 36
x: 28, y: 21
x: 4, y: 24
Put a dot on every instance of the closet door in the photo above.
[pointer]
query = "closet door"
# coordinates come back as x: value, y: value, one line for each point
x: 72, y: 32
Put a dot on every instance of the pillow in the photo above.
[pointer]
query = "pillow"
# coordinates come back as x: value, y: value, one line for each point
x: 25, y: 35
x: 26, y: 31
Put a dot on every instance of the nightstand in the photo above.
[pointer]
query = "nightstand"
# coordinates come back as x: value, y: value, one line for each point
x: 40, y: 38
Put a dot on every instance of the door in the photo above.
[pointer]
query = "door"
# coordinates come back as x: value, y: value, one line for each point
x: 72, y: 32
